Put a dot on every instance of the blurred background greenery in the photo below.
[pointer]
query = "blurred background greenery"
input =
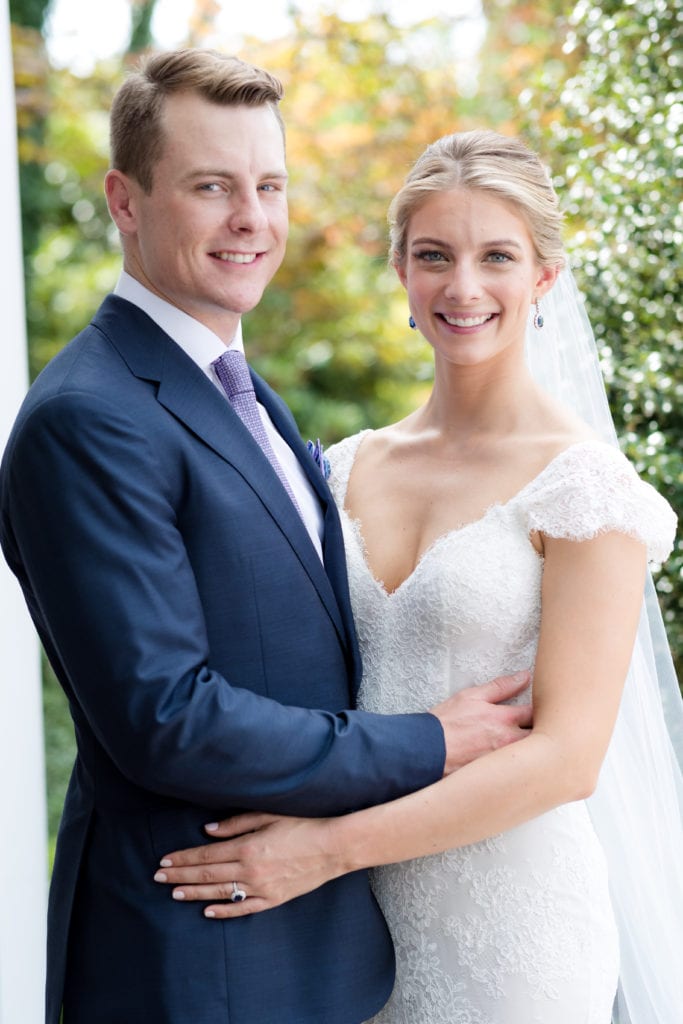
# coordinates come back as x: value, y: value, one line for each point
x: 594, y: 86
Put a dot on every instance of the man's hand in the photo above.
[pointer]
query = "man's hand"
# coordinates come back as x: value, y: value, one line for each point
x: 475, y: 721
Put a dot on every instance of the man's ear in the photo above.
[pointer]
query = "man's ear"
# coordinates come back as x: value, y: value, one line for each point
x: 546, y: 279
x: 120, y: 191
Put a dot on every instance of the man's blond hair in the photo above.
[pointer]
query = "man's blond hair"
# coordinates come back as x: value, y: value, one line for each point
x: 136, y: 128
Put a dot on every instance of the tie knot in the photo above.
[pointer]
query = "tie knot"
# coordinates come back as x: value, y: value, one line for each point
x: 233, y: 373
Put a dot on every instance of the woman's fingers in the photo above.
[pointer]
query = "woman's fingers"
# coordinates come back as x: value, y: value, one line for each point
x: 198, y: 856
x: 205, y: 893
x: 207, y: 872
x: 206, y: 875
x: 223, y: 911
x: 219, y: 883
x: 239, y: 824
x: 281, y: 859
x: 230, y: 829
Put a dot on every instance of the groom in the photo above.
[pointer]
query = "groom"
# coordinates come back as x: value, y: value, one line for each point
x: 182, y: 560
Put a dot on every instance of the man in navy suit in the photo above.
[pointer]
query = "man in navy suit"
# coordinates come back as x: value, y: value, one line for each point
x: 187, y: 580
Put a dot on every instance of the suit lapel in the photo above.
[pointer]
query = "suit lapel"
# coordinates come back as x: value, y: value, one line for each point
x: 187, y: 394
x: 333, y: 543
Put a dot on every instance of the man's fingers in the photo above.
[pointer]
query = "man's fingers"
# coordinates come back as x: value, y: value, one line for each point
x: 524, y: 715
x: 504, y: 687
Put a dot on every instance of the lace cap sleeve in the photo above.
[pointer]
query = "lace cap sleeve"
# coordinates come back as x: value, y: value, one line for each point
x: 341, y: 456
x: 592, y: 488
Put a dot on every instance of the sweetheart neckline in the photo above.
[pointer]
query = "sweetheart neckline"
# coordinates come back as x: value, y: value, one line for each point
x: 435, y: 544
x: 449, y: 534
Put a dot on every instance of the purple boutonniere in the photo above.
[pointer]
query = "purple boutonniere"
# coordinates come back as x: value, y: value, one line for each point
x: 319, y: 457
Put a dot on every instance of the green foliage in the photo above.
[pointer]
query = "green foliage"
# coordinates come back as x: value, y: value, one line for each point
x: 60, y: 746
x: 614, y: 141
x: 77, y: 260
x: 30, y: 13
x: 31, y: 72
x: 142, y: 12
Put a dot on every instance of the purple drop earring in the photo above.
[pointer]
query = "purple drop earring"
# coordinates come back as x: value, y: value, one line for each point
x: 411, y: 323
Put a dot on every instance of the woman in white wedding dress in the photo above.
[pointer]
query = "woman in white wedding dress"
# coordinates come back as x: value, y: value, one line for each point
x: 489, y: 531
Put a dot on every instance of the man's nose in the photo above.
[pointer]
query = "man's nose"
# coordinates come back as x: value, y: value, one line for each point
x: 246, y: 211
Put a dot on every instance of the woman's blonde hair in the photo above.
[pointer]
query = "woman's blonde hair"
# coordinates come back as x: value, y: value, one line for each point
x: 491, y: 163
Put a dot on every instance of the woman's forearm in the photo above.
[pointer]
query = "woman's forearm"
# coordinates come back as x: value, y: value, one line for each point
x: 498, y: 792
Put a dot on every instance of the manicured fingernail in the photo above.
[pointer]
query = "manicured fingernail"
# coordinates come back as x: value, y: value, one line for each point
x: 212, y: 826
x: 165, y: 863
x: 178, y: 894
x: 209, y: 913
x: 160, y: 877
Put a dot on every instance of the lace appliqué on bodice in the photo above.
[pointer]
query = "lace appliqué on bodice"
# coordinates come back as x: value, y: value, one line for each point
x: 517, y: 929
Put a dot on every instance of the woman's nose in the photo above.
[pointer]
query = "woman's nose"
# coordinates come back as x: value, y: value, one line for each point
x: 464, y: 284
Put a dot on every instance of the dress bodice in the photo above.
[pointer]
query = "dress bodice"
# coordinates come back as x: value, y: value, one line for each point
x: 470, y: 610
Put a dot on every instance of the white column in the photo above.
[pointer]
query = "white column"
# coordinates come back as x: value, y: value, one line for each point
x: 23, y: 856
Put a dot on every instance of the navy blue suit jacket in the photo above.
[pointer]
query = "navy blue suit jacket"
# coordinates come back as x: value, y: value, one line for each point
x: 210, y: 664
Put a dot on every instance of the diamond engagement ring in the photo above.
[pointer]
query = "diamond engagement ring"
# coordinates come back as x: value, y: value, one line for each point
x: 237, y: 894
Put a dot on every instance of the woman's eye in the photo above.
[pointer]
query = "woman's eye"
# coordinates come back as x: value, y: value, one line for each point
x: 430, y: 256
x: 499, y: 257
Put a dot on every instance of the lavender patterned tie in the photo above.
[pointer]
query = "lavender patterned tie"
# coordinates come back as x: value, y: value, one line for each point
x: 233, y: 373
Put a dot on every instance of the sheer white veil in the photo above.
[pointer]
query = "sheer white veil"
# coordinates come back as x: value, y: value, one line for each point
x: 637, y: 808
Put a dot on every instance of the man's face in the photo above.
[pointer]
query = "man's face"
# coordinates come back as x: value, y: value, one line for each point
x: 212, y: 232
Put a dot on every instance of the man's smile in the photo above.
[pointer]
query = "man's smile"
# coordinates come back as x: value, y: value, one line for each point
x: 235, y: 257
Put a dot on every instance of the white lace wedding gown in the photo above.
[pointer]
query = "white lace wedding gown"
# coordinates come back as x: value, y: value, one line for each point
x: 516, y: 929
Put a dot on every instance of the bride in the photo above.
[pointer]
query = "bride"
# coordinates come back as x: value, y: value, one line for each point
x: 490, y: 530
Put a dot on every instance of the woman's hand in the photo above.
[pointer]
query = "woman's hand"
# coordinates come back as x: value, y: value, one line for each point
x: 272, y: 858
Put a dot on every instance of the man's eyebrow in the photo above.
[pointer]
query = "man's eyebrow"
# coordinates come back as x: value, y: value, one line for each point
x: 216, y: 172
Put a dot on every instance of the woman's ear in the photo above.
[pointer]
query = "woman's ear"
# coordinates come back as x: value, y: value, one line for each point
x: 400, y: 269
x: 546, y: 279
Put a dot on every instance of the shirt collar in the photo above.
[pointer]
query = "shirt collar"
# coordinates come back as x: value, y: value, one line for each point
x: 196, y: 340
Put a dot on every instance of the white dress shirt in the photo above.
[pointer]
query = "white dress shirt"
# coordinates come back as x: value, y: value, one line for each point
x: 203, y: 346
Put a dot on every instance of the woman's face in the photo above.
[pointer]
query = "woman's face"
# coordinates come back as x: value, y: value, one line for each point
x: 471, y: 274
